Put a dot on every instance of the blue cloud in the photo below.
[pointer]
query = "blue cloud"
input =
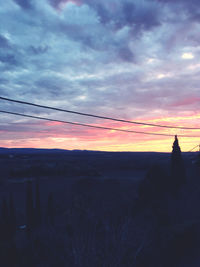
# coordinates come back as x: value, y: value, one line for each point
x: 4, y: 43
x: 39, y: 49
x: 8, y: 59
x: 99, y: 54
x: 26, y: 4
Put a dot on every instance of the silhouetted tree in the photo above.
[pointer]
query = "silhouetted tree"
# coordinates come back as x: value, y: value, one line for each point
x: 38, y: 205
x: 29, y: 207
x: 50, y: 209
x: 177, y: 166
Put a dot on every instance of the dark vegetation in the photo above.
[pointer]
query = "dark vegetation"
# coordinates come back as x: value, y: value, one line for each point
x: 82, y: 209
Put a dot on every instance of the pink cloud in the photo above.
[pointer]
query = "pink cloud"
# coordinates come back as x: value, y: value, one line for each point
x: 186, y: 101
x: 63, y: 3
x: 57, y: 135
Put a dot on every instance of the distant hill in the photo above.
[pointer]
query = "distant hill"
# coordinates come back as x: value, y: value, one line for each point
x: 30, y: 151
x: 142, y: 156
x: 5, y: 151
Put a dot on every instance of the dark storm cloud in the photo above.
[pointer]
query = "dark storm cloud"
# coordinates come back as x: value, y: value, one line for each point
x: 186, y: 2
x: 26, y: 4
x: 37, y: 50
x: 102, y: 10
x: 56, y: 3
x: 50, y: 87
x: 126, y: 54
x: 103, y: 13
x: 142, y: 15
x: 3, y: 81
x: 191, y: 8
x: 9, y: 59
x: 129, y: 10
x: 145, y: 16
x: 4, y: 43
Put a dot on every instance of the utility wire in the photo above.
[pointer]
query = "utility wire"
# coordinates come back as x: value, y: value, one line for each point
x: 98, y: 116
x: 193, y: 148
x: 89, y: 125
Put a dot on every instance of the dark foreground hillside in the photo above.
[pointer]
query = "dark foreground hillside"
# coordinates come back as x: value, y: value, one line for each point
x: 86, y: 209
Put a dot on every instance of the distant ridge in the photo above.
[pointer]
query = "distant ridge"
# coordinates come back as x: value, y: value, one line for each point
x: 7, y: 151
x: 4, y: 150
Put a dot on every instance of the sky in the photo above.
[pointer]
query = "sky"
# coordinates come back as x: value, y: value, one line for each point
x: 129, y: 59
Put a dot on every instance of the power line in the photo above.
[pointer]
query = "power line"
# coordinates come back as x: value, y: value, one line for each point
x: 89, y: 125
x: 98, y: 116
x: 194, y: 148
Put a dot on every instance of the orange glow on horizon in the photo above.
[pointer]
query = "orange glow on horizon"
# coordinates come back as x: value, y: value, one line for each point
x: 58, y: 135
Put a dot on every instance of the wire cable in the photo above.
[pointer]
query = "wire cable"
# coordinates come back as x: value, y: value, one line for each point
x: 91, y: 126
x: 193, y: 148
x: 98, y: 116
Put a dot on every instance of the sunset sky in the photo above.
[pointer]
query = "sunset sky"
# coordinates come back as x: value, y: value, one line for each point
x: 129, y: 59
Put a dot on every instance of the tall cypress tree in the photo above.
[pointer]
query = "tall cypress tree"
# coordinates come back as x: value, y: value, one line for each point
x: 177, y: 166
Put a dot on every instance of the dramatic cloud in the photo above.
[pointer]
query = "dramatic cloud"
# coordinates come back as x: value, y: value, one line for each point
x: 137, y: 60
x: 26, y: 4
